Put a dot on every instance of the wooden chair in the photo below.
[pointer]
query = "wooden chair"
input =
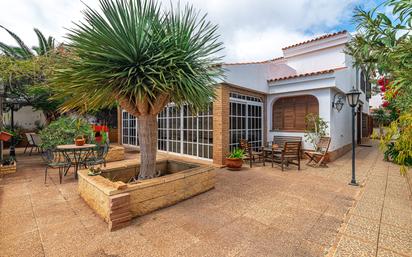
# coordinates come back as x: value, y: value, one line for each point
x: 289, y: 154
x: 251, y: 155
x: 318, y: 156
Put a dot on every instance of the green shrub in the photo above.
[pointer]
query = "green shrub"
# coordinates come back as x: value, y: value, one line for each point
x: 237, y: 153
x: 63, y: 131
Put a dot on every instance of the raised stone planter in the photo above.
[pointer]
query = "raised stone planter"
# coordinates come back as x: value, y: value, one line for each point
x: 117, y: 202
x: 8, y: 169
x: 116, y: 153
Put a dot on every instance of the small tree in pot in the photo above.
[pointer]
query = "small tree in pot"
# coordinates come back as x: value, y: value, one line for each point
x: 234, y: 160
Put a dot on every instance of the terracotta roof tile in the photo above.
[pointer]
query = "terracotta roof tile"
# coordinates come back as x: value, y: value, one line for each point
x: 316, y: 39
x: 306, y: 74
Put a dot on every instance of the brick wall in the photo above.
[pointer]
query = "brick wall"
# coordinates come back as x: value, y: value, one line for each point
x: 221, y: 110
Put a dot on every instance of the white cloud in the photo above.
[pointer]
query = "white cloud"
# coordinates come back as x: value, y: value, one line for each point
x: 251, y: 30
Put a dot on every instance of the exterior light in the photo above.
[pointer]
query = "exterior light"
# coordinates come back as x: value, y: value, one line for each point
x: 338, y: 102
x: 353, y: 97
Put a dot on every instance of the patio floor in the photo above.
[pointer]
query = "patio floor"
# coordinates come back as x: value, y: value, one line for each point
x: 253, y: 212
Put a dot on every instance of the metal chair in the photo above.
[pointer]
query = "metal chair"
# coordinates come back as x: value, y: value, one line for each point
x: 30, y: 142
x: 36, y: 142
x: 98, y: 157
x: 55, y: 159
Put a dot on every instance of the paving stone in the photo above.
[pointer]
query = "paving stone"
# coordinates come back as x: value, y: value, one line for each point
x: 26, y: 244
x: 396, y: 244
x: 354, y: 247
x: 363, y: 222
x: 387, y: 253
x: 254, y: 212
x: 361, y: 233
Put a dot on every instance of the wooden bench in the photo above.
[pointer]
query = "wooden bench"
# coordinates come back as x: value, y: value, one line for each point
x: 281, y: 140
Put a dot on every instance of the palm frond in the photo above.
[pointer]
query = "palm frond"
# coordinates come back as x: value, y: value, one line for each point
x: 133, y: 50
x: 25, y: 51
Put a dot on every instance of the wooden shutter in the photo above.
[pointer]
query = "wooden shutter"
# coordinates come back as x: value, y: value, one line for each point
x: 277, y: 115
x: 288, y: 113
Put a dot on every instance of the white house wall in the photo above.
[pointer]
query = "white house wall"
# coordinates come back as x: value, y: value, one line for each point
x: 26, y: 117
x: 255, y: 76
x: 323, y: 59
x: 324, y: 99
x: 340, y: 124
x: 302, y: 84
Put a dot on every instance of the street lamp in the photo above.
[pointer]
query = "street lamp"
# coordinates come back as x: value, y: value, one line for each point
x: 353, y: 99
x: 14, y: 107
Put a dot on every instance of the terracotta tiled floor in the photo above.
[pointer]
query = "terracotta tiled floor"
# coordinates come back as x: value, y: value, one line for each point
x: 253, y: 212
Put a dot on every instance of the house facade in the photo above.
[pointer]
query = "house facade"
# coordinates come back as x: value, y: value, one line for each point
x: 259, y: 100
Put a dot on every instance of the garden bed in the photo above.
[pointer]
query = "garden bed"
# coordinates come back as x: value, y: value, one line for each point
x: 117, y: 201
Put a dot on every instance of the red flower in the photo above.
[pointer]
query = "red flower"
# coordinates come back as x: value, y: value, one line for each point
x: 383, y: 88
x: 381, y: 81
x: 385, y: 104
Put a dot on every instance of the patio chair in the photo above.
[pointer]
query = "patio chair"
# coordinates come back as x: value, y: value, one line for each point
x: 29, y: 142
x: 55, y: 159
x: 98, y: 157
x: 251, y: 155
x: 289, y: 154
x: 36, y: 140
x: 319, y: 156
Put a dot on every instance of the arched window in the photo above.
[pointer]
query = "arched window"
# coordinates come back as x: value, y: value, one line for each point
x: 288, y: 113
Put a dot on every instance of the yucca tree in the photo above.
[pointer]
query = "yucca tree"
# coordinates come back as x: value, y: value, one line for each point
x: 144, y: 57
x: 22, y: 51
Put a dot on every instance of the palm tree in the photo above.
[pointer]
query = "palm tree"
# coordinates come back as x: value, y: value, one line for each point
x: 22, y: 51
x: 144, y: 58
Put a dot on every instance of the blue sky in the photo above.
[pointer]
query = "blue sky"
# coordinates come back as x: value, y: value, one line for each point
x: 250, y: 29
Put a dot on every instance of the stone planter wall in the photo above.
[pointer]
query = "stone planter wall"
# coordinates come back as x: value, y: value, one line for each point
x: 116, y: 153
x: 117, y: 202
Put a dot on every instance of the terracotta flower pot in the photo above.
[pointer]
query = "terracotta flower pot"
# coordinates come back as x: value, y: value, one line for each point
x: 4, y: 136
x: 80, y: 141
x: 234, y: 163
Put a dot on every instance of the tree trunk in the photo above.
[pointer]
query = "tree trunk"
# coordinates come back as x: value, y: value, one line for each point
x: 147, y: 130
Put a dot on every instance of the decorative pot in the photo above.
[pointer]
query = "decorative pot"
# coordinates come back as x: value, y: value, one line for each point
x: 79, y: 141
x: 234, y: 163
x: 4, y: 136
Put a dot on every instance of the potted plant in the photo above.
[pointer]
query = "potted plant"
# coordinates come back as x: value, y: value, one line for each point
x: 234, y: 160
x: 80, y: 140
x: 7, y: 166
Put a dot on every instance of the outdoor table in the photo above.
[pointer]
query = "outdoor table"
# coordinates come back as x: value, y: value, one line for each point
x: 267, y: 151
x: 79, y: 154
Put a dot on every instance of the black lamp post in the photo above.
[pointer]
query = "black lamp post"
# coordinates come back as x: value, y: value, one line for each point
x: 14, y: 107
x: 353, y: 99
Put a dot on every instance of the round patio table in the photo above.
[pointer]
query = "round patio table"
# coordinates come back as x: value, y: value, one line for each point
x: 78, y: 154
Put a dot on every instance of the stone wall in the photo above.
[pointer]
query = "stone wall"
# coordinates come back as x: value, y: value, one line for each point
x: 141, y: 198
x: 116, y: 153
